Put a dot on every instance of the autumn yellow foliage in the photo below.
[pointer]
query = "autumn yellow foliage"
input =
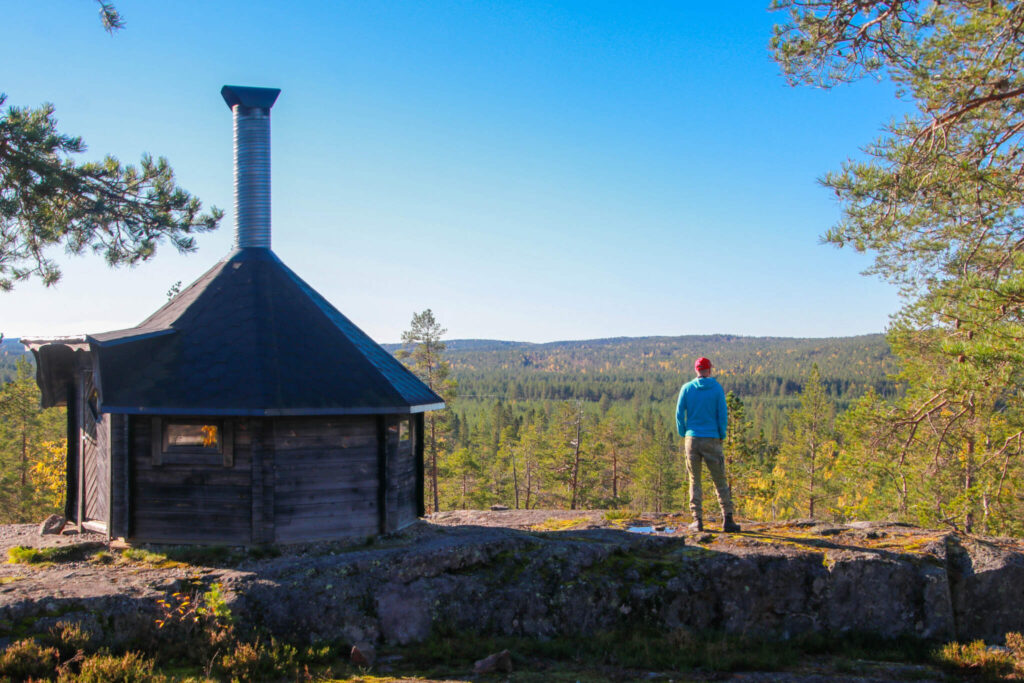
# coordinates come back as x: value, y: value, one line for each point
x: 49, y: 474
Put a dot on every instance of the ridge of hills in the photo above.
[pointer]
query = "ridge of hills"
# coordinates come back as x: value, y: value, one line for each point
x: 732, y: 354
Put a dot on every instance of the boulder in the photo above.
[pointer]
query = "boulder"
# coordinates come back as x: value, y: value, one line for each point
x: 363, y: 654
x: 777, y: 581
x: 53, y: 524
x: 499, y: 661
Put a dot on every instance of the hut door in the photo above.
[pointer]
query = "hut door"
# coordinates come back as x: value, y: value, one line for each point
x: 95, y: 449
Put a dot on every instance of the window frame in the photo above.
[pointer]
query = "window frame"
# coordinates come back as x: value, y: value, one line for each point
x: 164, y: 454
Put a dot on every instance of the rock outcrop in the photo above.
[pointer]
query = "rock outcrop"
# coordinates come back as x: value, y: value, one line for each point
x: 460, y: 573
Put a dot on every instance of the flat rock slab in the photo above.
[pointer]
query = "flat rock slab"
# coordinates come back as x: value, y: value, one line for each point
x: 544, y: 573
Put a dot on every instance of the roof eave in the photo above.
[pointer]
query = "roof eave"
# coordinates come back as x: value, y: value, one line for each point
x: 74, y: 341
x: 271, y: 412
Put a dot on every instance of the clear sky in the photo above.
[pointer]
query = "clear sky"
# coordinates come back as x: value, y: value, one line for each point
x: 530, y: 171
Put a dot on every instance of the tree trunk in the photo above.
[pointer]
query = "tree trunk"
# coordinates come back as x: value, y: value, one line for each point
x: 433, y: 461
x: 810, y: 487
x: 968, y: 483
x: 24, y: 456
x: 515, y: 477
x: 615, y: 475
x: 529, y: 483
x: 576, y: 460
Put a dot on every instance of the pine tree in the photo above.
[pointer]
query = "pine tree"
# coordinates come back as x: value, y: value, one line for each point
x: 658, y: 477
x: 937, y: 200
x: 743, y: 467
x: 48, y: 199
x: 805, y: 459
x: 423, y: 353
x: 615, y: 456
x: 28, y: 437
x: 569, y: 451
x: 461, y: 479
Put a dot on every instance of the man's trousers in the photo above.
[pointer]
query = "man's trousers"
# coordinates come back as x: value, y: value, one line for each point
x: 709, y: 450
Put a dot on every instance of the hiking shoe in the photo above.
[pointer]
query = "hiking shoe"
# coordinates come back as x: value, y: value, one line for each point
x: 729, y: 526
x: 697, y: 525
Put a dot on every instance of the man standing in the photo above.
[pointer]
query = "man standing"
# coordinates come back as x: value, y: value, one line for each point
x: 701, y: 417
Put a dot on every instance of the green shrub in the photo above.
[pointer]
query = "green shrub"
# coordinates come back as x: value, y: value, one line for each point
x: 131, y: 667
x: 1015, y: 643
x: 70, y: 639
x: 25, y: 659
x: 976, y: 658
x: 214, y: 605
x: 258, y: 661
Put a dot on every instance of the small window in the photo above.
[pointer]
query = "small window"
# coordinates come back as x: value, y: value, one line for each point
x: 192, y: 436
x: 192, y: 442
x: 404, y: 433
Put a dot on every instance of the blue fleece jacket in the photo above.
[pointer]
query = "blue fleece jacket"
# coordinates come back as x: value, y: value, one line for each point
x: 701, y: 409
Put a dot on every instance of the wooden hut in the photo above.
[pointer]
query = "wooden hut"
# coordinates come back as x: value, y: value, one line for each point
x: 248, y: 409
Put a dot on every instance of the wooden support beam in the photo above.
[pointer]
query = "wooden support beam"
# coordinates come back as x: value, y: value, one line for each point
x: 421, y: 507
x: 129, y: 485
x: 258, y: 510
x: 382, y: 473
x: 71, y: 471
x: 80, y: 470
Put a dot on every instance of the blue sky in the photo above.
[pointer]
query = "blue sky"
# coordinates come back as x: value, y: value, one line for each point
x: 532, y: 171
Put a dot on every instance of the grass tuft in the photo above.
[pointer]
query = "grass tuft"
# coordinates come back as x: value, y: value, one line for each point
x: 560, y: 524
x: 131, y: 667
x: 145, y: 556
x: 978, y: 660
x: 23, y: 554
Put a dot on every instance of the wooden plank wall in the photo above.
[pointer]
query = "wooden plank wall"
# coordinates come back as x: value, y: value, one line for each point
x: 95, y: 457
x: 324, y: 478
x: 402, y: 472
x: 190, y: 503
x: 118, y: 475
x: 262, y: 431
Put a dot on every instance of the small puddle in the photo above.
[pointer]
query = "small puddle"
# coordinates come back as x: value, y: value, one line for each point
x: 651, y: 530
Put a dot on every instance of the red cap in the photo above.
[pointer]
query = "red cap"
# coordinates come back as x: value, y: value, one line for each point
x: 702, y: 364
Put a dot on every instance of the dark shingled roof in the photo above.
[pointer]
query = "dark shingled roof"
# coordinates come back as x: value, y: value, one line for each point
x: 251, y: 338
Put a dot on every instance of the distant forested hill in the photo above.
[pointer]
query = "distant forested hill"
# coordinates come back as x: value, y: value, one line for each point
x: 651, y: 368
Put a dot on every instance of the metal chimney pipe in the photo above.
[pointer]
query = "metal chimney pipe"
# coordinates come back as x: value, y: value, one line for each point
x: 250, y: 108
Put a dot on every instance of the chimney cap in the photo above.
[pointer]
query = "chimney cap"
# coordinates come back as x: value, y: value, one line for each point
x: 259, y: 98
